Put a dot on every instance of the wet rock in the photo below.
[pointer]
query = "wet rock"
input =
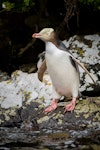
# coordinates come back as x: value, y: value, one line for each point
x: 58, y: 136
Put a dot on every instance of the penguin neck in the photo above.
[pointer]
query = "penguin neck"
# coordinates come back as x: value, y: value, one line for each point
x: 52, y: 44
x: 55, y: 42
x: 50, y: 47
x: 54, y: 39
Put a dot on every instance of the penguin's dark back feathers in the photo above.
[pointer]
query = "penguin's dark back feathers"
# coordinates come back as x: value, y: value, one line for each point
x: 61, y: 46
x: 73, y: 63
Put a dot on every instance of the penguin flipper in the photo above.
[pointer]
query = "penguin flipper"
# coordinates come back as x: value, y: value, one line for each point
x: 41, y: 70
x: 83, y: 68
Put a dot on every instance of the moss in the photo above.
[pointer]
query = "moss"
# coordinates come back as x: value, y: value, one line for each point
x: 90, y: 125
x: 12, y: 112
x: 58, y: 136
x: 27, y: 94
x: 88, y: 108
x: 24, y: 107
x: 95, y: 147
x: 1, y: 121
x: 0, y: 112
x: 8, y: 81
x: 80, y: 52
x: 45, y: 118
x: 82, y: 108
x: 41, y: 106
x: 97, y: 116
x: 77, y: 115
x: 60, y: 121
x: 15, y: 73
x: 6, y: 117
x: 93, y: 108
x: 97, y: 101
x: 58, y: 116
x: 27, y: 103
x: 86, y: 116
x: 7, y: 113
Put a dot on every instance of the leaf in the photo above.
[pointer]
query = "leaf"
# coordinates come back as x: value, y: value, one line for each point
x: 7, y: 5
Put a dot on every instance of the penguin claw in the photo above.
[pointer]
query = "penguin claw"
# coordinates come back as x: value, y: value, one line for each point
x: 49, y: 109
x: 70, y: 107
x: 52, y: 107
x: 66, y: 109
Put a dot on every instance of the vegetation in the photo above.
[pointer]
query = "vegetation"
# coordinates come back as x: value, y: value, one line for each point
x: 94, y: 3
x: 18, y: 5
x: 19, y: 19
x: 25, y: 5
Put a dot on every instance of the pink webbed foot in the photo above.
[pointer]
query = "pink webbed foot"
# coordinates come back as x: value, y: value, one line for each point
x: 71, y: 106
x: 52, y: 107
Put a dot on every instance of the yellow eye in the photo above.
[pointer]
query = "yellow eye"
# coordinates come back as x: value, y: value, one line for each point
x: 47, y: 34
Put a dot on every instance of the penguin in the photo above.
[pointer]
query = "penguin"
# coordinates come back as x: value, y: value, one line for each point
x: 62, y: 67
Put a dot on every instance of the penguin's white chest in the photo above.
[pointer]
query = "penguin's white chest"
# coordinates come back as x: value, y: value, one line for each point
x: 64, y: 76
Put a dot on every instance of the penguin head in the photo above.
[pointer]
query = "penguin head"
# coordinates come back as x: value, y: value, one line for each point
x: 45, y: 34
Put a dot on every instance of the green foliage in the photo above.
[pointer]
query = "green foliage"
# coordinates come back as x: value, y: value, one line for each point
x: 94, y: 3
x: 7, y: 5
x: 18, y: 5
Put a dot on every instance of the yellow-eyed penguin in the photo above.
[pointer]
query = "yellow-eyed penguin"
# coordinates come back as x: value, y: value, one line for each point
x: 62, y: 68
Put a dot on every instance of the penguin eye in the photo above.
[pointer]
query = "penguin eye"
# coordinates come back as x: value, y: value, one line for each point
x: 47, y: 33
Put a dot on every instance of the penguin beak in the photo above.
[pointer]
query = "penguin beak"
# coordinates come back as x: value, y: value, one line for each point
x: 36, y: 35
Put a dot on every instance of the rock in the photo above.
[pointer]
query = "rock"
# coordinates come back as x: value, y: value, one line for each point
x: 87, y: 50
x: 22, y: 87
x: 4, y: 76
x: 23, y: 119
x: 45, y: 118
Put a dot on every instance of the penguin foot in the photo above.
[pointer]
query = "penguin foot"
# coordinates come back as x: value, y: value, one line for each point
x: 70, y: 106
x: 52, y: 107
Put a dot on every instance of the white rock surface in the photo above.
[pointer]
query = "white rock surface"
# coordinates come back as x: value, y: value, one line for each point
x: 23, y: 87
